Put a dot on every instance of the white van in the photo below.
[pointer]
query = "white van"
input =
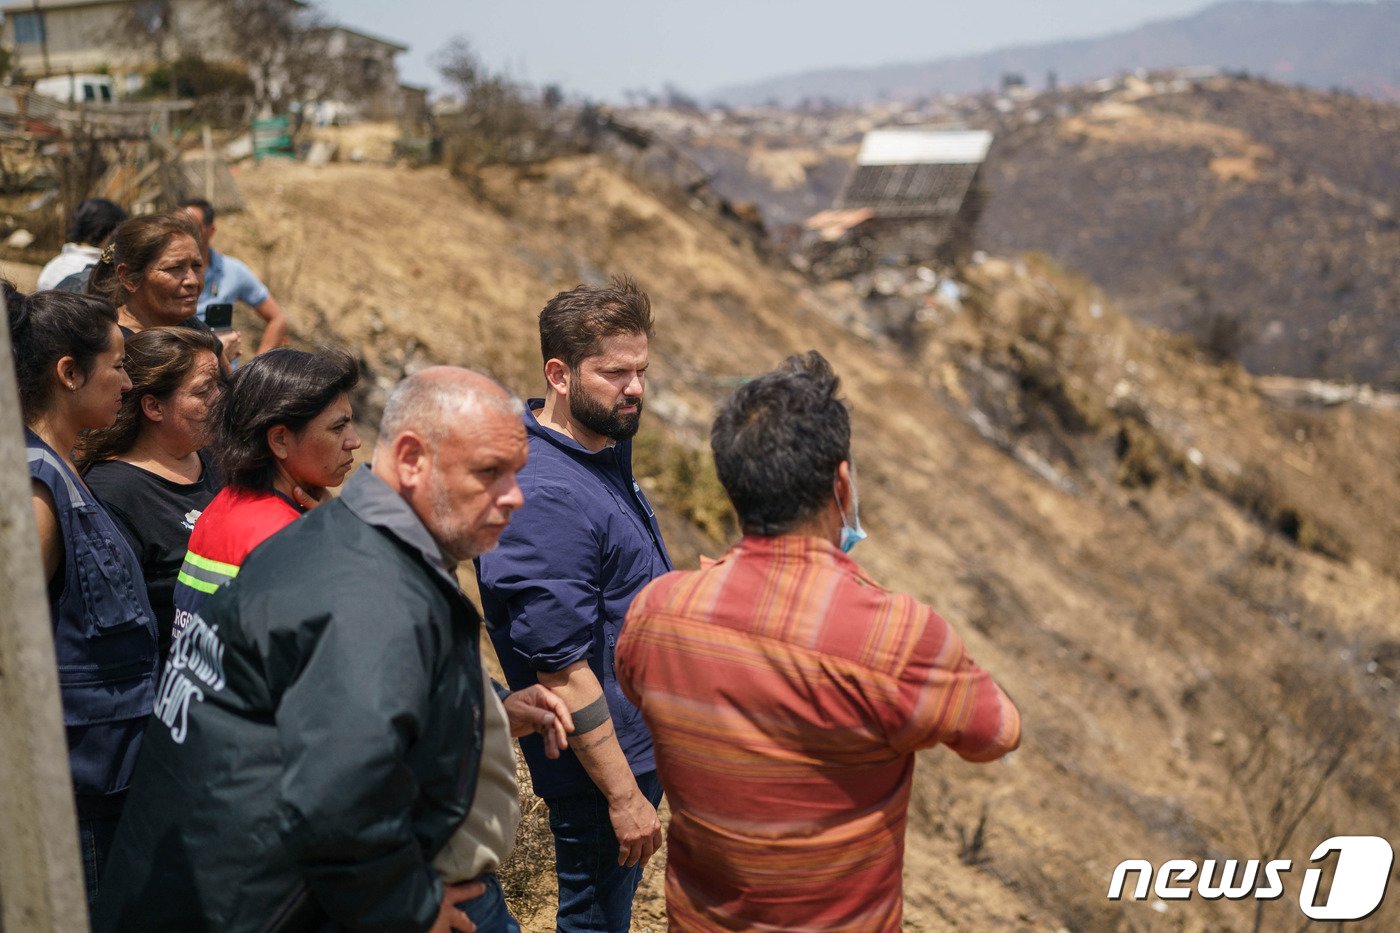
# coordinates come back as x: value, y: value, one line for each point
x: 78, y: 89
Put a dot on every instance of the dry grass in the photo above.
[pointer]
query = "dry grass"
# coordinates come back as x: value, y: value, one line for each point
x: 528, y: 877
x: 367, y: 141
x: 1137, y: 640
x: 1119, y: 123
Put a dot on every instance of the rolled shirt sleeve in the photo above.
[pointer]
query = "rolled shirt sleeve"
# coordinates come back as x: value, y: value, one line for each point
x: 946, y: 698
x: 543, y: 577
x: 241, y: 284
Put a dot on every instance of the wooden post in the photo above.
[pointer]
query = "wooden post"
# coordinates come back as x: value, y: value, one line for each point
x: 208, y: 164
x: 41, y: 879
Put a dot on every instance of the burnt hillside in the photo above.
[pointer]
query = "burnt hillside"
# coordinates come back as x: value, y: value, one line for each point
x: 1188, y: 588
x: 1260, y: 217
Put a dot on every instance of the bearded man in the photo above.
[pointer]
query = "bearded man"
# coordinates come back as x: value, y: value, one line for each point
x: 557, y: 588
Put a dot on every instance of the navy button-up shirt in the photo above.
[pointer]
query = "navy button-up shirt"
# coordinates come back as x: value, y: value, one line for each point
x: 557, y: 587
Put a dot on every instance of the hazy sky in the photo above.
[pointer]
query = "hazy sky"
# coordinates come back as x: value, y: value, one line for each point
x: 602, y: 48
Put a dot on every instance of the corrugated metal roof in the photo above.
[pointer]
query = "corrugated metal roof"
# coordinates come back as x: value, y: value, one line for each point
x: 909, y: 190
x: 924, y: 147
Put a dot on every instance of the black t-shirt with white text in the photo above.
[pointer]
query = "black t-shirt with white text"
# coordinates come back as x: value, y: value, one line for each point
x: 156, y: 515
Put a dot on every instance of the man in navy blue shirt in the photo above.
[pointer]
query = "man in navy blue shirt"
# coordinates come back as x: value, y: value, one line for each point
x: 556, y: 589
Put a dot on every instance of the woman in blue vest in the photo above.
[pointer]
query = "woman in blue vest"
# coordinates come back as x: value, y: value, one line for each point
x: 69, y: 364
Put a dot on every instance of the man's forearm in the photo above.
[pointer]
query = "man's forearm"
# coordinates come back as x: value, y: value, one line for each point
x: 275, y: 334
x: 598, y: 749
x: 634, y: 821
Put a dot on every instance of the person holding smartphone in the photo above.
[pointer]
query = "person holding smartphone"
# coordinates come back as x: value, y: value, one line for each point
x: 153, y: 270
x: 227, y: 280
x: 219, y: 316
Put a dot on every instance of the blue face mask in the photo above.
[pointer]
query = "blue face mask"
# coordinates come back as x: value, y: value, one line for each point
x: 851, y: 535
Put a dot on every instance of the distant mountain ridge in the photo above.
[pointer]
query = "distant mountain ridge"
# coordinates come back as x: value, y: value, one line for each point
x: 1318, y: 44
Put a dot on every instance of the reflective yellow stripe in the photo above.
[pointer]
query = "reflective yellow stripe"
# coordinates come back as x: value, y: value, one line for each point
x: 193, y: 583
x: 204, y: 563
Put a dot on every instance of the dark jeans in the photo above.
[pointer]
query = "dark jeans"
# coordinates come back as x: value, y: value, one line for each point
x: 489, y: 911
x: 94, y: 842
x: 595, y: 893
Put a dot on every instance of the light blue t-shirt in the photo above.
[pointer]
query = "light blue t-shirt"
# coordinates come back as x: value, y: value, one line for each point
x: 228, y: 280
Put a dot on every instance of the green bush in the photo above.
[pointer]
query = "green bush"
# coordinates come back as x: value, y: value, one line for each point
x: 685, y: 480
x: 194, y: 77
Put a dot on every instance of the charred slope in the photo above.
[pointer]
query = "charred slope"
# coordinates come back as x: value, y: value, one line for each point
x: 1189, y: 590
x: 1261, y: 217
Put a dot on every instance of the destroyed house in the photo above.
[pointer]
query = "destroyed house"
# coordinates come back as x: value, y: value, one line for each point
x: 921, y: 190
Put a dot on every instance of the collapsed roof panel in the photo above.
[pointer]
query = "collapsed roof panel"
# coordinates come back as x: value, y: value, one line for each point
x: 909, y: 190
x: 907, y: 173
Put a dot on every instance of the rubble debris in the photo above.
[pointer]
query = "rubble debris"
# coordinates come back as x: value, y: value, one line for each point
x: 126, y: 152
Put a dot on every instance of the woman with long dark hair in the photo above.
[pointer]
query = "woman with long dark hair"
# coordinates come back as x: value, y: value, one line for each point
x: 150, y: 468
x: 284, y: 435
x: 69, y: 364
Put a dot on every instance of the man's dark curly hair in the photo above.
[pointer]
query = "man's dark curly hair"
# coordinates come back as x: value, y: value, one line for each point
x: 777, y: 443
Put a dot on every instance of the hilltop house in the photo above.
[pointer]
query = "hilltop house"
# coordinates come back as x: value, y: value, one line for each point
x: 55, y: 37
x: 367, y: 72
x: 60, y: 37
x: 913, y: 195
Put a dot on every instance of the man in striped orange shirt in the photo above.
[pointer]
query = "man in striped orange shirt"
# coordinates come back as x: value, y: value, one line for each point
x: 787, y: 691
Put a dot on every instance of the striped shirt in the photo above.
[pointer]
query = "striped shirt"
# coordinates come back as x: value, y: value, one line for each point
x: 787, y: 693
x: 235, y: 522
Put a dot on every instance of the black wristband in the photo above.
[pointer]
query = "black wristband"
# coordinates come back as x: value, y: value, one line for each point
x: 591, y: 716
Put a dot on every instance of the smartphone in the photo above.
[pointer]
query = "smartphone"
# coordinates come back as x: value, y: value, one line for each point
x: 219, y: 316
